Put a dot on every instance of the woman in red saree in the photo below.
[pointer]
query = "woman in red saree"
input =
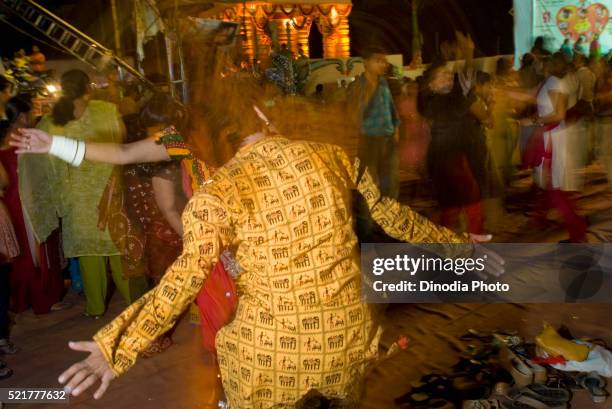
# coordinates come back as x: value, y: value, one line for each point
x: 34, y: 283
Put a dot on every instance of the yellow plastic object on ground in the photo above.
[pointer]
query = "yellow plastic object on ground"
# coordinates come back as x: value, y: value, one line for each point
x: 555, y: 345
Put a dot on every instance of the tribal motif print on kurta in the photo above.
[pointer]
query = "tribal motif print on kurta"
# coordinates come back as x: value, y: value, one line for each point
x: 285, y: 208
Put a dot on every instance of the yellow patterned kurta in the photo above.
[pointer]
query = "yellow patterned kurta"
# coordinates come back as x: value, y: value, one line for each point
x: 285, y: 207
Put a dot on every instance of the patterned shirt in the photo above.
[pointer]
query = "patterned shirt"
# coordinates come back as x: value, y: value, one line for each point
x: 284, y: 206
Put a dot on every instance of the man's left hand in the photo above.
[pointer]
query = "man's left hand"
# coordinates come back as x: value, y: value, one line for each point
x: 82, y: 375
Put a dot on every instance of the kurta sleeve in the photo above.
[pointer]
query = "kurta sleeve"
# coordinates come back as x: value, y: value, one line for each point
x: 397, y: 220
x: 207, y: 230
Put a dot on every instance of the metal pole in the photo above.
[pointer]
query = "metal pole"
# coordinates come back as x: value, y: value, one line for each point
x: 170, y: 58
x: 116, y: 31
x: 179, y: 47
x: 117, y: 35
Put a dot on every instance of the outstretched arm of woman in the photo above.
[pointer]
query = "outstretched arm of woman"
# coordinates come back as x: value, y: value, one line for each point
x: 146, y: 150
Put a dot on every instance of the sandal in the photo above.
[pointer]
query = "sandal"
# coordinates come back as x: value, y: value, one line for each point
x: 540, y: 375
x: 482, y: 404
x: 595, y: 384
x: 525, y: 351
x: 561, y: 379
x: 525, y: 402
x: 5, y: 372
x: 7, y: 347
x: 549, y: 397
x: 540, y: 391
x: 473, y: 380
x: 432, y: 386
x: 522, y: 374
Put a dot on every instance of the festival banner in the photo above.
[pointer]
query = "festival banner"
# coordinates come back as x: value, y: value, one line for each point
x: 557, y: 20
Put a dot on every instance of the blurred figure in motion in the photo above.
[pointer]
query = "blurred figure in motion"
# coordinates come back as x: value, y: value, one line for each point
x: 37, y: 60
x: 414, y: 131
x: 554, y: 149
x: 448, y: 111
x: 372, y: 110
x: 603, y: 115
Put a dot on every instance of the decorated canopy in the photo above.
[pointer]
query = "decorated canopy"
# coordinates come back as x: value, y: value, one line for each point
x: 266, y: 24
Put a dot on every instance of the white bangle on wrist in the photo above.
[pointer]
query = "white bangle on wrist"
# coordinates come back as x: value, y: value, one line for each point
x: 68, y: 150
x: 80, y: 155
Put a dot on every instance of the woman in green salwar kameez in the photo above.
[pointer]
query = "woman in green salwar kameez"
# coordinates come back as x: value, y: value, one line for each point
x: 53, y: 190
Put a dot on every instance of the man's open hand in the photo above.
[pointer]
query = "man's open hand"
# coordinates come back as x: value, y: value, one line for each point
x: 82, y: 375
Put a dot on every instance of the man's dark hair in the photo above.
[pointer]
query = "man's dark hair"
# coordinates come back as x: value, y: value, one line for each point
x: 483, y: 78
x: 580, y: 58
x: 14, y: 107
x: 556, y: 65
x: 370, y: 51
x: 75, y: 84
x: 539, y: 42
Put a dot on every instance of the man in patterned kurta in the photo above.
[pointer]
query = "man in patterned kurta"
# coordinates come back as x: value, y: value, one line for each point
x: 285, y: 208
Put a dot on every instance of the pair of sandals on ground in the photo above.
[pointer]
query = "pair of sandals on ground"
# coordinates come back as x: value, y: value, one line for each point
x: 500, y: 377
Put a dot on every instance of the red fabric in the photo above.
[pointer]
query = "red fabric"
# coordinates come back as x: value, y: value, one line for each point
x: 573, y: 223
x: 551, y: 360
x: 535, y: 150
x: 464, y: 177
x: 473, y: 215
x: 217, y: 303
x: 38, y: 288
x: 217, y: 300
x: 414, y: 135
x: 186, y: 180
x: 563, y: 202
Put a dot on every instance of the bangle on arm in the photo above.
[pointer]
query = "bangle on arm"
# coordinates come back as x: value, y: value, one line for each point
x: 68, y: 150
